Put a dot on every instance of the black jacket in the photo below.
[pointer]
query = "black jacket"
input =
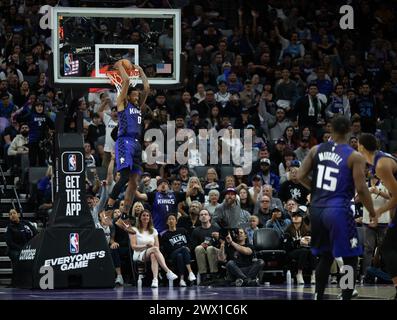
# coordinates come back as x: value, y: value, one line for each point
x: 18, y: 234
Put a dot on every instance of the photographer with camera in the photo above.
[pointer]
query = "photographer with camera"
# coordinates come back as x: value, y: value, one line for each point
x: 239, y: 255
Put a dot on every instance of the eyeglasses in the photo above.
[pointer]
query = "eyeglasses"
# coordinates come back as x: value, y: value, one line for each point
x: 265, y: 201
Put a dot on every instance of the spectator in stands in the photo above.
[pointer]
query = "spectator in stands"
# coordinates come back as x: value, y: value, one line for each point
x: 367, y: 107
x: 18, y: 234
x: 194, y: 191
x: 227, y: 214
x: 7, y: 107
x: 246, y: 202
x: 285, y: 165
x: 145, y: 243
x: 292, y: 189
x: 353, y: 142
x: 239, y: 256
x: 253, y: 226
x: 163, y: 202
x: 18, y: 152
x: 213, y: 197
x: 310, y: 110
x: 290, y: 139
x: 286, y: 92
x: 267, y: 176
x: 174, y: 245
x: 303, y: 149
x: 264, y: 212
x: 297, y: 242
x: 39, y: 126
x: 278, y: 222
x: 211, y: 181
x: 338, y: 104
x: 280, y: 124
x: 104, y: 222
x: 203, y: 242
x: 108, y: 114
x: 191, y: 221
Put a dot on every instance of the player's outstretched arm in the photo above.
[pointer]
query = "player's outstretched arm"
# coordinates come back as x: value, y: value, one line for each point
x: 124, y: 87
x: 358, y: 166
x: 146, y: 87
x: 306, y: 168
x: 384, y: 171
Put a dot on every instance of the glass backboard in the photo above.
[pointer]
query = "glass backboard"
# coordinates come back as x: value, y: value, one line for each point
x: 88, y: 41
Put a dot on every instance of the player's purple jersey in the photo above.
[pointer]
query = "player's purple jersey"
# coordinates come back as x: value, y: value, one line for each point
x: 332, y: 181
x: 163, y: 205
x: 130, y: 122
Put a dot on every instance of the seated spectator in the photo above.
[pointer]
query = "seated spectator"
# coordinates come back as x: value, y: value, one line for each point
x: 174, y: 245
x: 203, y: 241
x: 284, y: 167
x: 211, y: 181
x: 297, y: 239
x: 303, y: 149
x: 267, y: 176
x: 191, y: 221
x: 267, y: 190
x: 253, y: 221
x: 213, y: 197
x: 105, y: 223
x: 293, y: 189
x: 239, y: 256
x: 18, y: 234
x: 256, y: 188
x: 228, y: 214
x: 18, y: 152
x: 145, y: 243
x: 289, y: 137
x: 194, y: 191
x: 278, y: 222
x: 264, y: 213
x: 137, y: 208
x: 246, y: 202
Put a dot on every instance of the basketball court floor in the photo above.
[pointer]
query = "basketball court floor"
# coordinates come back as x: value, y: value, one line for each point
x: 273, y: 292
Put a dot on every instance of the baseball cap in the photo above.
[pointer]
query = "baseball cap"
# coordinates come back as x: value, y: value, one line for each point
x: 298, y: 213
x: 250, y: 126
x: 161, y: 180
x: 265, y: 161
x: 146, y: 174
x: 229, y: 125
x: 231, y: 190
x: 194, y: 113
x: 276, y: 210
x: 280, y: 140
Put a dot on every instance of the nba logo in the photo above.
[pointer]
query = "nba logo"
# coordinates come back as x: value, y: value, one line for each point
x: 74, y: 243
x: 72, y: 162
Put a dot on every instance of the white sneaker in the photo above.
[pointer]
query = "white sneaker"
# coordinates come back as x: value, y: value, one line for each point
x: 171, y: 276
x: 191, y: 276
x: 313, y: 279
x: 182, y: 283
x: 120, y: 280
x: 155, y: 283
x: 299, y: 279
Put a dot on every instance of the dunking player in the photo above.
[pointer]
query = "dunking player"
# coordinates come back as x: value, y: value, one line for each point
x: 384, y: 166
x: 128, y: 149
x: 337, y: 170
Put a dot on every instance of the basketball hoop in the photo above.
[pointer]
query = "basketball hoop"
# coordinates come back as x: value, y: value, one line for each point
x: 116, y: 79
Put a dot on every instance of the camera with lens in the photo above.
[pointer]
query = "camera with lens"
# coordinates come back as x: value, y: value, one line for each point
x: 225, y: 231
